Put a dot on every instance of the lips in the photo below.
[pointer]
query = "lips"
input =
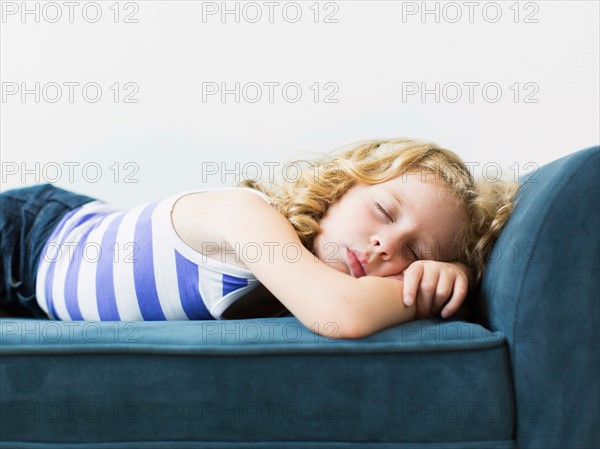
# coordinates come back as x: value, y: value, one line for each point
x: 358, y: 268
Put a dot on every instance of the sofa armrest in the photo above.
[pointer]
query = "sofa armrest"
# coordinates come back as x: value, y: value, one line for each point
x: 541, y: 289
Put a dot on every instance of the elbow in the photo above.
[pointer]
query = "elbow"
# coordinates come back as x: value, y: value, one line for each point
x: 337, y: 329
x: 352, y: 325
x: 354, y: 333
x: 361, y: 328
x: 353, y: 328
x: 345, y: 327
x: 338, y: 332
x: 361, y: 325
x: 349, y: 322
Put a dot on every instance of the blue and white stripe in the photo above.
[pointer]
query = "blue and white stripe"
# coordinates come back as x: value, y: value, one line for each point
x: 131, y: 265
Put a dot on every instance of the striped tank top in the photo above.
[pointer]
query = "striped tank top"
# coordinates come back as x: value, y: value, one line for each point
x: 108, y: 264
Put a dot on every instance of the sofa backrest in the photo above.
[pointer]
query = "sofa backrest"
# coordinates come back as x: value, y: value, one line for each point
x: 541, y: 288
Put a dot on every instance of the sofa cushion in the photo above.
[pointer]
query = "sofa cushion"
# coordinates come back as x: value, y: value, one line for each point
x: 541, y: 289
x: 269, y: 381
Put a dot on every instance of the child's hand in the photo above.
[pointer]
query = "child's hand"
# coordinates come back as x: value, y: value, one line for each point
x: 432, y: 283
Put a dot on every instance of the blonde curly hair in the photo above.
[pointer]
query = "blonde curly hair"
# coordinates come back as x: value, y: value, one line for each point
x: 321, y: 182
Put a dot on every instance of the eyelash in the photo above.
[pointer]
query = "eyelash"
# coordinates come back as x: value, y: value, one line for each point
x: 384, y: 212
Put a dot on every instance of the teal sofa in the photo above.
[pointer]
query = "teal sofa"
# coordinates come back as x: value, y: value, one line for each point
x: 521, y: 370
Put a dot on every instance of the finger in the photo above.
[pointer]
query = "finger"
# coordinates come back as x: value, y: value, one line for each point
x: 427, y: 290
x: 443, y: 291
x: 458, y: 296
x: 412, y: 279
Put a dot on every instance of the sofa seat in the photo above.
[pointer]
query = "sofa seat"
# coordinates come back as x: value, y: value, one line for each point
x: 264, y: 383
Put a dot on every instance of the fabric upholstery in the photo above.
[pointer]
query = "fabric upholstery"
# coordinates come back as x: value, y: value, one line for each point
x: 269, y: 381
x: 541, y: 290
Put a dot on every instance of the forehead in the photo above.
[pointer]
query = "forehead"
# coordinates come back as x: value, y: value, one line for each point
x: 422, y: 186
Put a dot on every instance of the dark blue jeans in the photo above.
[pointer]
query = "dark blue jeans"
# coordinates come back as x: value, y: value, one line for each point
x: 28, y: 216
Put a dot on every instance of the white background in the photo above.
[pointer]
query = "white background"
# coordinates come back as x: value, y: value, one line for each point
x: 367, y: 50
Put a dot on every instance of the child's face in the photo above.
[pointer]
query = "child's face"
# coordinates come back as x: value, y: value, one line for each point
x: 426, y: 220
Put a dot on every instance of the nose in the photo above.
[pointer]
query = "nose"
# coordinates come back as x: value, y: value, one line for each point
x: 391, y: 248
x: 384, y: 247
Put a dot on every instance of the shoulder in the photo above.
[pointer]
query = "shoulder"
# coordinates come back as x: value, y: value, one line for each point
x: 214, y: 199
x: 231, y: 194
x: 251, y: 193
x: 209, y: 215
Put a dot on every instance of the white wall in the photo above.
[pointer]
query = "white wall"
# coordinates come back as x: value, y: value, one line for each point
x: 369, y: 55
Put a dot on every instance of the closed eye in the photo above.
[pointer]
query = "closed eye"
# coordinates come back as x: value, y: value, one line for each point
x: 383, y: 211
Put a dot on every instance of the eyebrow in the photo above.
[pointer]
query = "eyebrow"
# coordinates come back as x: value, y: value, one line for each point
x: 398, y: 199
x: 401, y: 202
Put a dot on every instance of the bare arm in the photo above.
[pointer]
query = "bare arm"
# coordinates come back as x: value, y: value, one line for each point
x: 377, y: 304
x: 325, y: 300
x: 269, y: 246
